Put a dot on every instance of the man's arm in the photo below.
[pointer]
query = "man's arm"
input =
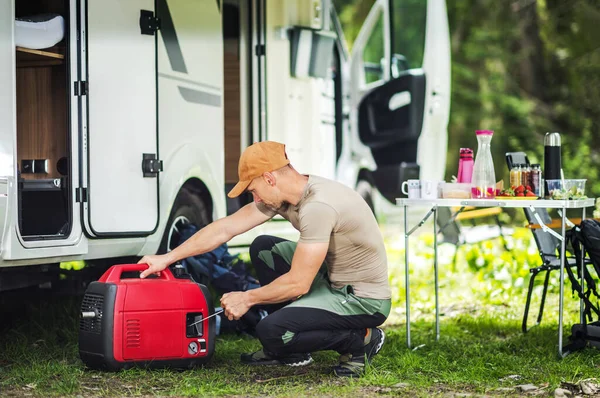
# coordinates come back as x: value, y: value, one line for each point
x: 208, y: 238
x: 307, y: 261
x: 317, y: 222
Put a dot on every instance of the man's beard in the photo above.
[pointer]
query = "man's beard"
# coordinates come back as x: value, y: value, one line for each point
x: 275, y: 206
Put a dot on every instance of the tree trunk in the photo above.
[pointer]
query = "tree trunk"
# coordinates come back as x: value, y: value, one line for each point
x: 531, y: 52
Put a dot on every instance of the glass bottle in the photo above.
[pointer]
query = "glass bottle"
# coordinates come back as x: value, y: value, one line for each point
x: 515, y: 175
x: 484, y: 176
x: 536, y: 179
x: 525, y: 175
x: 465, y: 166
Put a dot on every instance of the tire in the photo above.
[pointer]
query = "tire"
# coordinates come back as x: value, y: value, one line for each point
x: 188, y: 208
x: 365, y: 190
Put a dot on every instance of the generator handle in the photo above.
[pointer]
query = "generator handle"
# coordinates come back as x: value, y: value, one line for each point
x: 113, y: 275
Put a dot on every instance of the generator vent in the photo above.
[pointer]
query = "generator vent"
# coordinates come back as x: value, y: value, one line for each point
x: 133, y: 335
x: 92, y: 303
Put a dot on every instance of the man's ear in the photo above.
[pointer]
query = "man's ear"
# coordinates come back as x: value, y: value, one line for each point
x: 269, y: 178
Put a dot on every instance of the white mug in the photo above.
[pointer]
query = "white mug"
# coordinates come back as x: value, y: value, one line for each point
x: 414, y: 189
x: 429, y: 189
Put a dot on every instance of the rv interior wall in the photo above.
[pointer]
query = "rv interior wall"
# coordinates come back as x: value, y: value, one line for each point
x: 231, y: 84
x: 234, y: 65
x: 41, y: 97
x: 42, y: 128
x: 41, y: 119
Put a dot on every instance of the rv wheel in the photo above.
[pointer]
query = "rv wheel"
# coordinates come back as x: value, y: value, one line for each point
x: 365, y: 190
x: 187, y: 209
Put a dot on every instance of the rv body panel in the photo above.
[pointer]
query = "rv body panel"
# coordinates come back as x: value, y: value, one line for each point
x: 7, y: 119
x: 191, y: 142
x: 433, y: 143
x: 188, y: 161
x: 190, y: 101
x: 300, y: 109
x: 188, y: 117
x: 121, y: 120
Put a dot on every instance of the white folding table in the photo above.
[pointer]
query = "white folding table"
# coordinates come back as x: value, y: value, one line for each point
x: 433, y: 204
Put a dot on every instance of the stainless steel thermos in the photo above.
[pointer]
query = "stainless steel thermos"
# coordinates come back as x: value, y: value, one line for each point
x: 552, y: 160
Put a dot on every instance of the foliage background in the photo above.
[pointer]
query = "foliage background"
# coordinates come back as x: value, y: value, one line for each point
x: 521, y: 68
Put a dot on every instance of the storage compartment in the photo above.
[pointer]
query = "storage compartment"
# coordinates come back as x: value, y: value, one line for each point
x: 49, y: 219
x: 43, y: 118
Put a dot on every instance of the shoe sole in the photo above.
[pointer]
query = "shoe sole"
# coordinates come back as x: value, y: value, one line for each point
x: 263, y: 363
x: 349, y: 374
x: 275, y: 362
x: 299, y: 364
x: 375, y: 350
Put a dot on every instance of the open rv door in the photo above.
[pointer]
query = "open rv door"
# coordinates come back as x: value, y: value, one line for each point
x: 400, y: 69
x: 120, y: 183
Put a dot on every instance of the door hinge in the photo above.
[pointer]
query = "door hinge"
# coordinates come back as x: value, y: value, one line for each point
x: 81, y: 195
x: 260, y: 50
x: 80, y: 88
x: 149, y: 24
x: 150, y: 165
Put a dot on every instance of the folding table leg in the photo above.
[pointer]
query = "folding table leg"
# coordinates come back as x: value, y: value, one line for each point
x: 407, y: 234
x: 406, y: 277
x: 581, y: 303
x: 435, y: 270
x: 562, y: 284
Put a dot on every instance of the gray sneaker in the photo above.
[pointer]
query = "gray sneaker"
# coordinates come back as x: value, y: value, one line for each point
x: 350, y: 366
x: 373, y: 342
x: 262, y: 358
x: 353, y: 365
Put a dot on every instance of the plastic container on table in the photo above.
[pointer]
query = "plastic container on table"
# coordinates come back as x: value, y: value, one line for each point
x: 571, y: 189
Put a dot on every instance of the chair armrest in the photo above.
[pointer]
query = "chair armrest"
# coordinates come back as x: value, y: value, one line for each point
x: 557, y: 223
x: 479, y: 213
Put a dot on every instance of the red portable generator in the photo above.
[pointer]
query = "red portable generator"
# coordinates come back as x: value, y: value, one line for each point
x: 150, y: 322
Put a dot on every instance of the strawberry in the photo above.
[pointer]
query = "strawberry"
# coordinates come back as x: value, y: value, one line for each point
x: 520, y: 194
x: 529, y: 193
x: 520, y: 189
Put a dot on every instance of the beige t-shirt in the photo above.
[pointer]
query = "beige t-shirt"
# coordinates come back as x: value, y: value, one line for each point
x: 332, y: 212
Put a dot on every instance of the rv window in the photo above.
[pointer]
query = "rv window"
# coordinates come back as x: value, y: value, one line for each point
x: 374, y: 55
x: 409, y: 19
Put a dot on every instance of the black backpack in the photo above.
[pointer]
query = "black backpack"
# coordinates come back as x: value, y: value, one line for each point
x: 223, y: 272
x: 585, y: 241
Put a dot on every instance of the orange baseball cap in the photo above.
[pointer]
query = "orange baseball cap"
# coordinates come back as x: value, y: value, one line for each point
x: 257, y: 159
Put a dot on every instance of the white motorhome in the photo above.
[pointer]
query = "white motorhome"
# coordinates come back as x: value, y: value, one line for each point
x: 122, y: 119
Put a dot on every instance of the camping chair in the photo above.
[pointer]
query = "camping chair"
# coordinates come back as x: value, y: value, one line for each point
x: 549, y: 250
x: 547, y: 244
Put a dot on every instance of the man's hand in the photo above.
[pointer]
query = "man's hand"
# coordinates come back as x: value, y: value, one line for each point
x: 156, y: 263
x: 235, y: 305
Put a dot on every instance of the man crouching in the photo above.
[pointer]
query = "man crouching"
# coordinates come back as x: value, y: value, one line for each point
x: 329, y: 290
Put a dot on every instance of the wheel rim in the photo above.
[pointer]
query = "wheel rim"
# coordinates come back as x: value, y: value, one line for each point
x: 174, y: 236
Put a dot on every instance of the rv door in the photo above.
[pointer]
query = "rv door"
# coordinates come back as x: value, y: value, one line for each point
x: 400, y: 67
x: 120, y: 178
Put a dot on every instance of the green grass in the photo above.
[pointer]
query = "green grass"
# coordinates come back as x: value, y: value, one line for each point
x: 481, y: 345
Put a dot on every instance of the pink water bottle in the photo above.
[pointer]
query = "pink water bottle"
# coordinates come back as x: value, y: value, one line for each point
x: 465, y: 165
